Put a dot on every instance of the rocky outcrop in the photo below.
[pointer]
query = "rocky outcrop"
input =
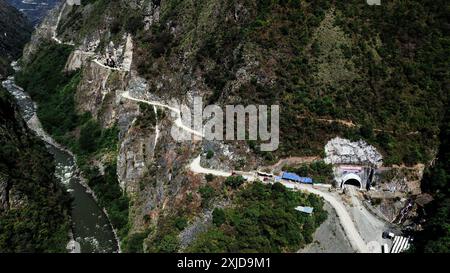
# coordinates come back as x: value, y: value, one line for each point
x: 199, y: 225
x: 152, y: 14
x: 99, y: 92
x: 43, y: 33
x: 402, y: 180
x: 77, y: 59
x: 343, y: 151
x: 135, y: 154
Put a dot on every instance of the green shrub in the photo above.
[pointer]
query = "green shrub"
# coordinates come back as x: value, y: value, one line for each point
x: 89, y: 136
x: 234, y: 181
x: 262, y: 219
x: 207, y: 193
x: 110, y: 196
x: 210, y: 154
x: 135, y: 243
x: 169, y: 244
x: 209, y: 177
x: 218, y: 217
x: 181, y: 223
x: 134, y: 23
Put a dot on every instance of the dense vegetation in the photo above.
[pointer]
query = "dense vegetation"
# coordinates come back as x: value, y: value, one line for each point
x: 436, y: 235
x: 54, y: 91
x: 165, y: 240
x: 380, y: 68
x: 262, y: 219
x: 110, y: 195
x: 34, y: 207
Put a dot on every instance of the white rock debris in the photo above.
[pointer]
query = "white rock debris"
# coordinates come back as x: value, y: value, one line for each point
x: 343, y: 151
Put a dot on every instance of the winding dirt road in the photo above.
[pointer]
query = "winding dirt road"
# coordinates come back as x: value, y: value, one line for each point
x: 195, y: 167
x: 178, y: 122
x: 346, y: 221
x: 344, y: 217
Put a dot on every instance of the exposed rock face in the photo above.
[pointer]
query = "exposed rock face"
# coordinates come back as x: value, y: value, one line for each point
x: 343, y: 151
x: 136, y: 151
x: 99, y: 92
x: 402, y: 180
x: 77, y: 59
x: 43, y: 33
x: 136, y: 143
x: 152, y: 14
x: 128, y: 53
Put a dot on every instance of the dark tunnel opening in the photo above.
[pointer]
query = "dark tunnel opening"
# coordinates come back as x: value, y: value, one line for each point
x: 353, y: 182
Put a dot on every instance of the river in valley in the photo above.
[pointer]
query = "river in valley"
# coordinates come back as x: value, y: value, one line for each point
x: 92, y: 231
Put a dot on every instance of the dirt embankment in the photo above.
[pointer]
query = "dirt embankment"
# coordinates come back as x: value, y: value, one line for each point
x: 329, y: 237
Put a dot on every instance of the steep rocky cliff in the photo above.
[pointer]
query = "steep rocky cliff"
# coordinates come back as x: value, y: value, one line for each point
x: 15, y: 31
x: 34, y: 207
x: 330, y: 65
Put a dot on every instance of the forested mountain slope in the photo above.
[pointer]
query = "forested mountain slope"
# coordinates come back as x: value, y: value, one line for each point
x: 15, y: 31
x: 336, y: 68
x: 435, y: 238
x: 34, y: 207
x: 379, y: 68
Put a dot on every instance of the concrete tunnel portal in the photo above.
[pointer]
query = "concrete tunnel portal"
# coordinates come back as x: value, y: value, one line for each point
x: 351, y: 179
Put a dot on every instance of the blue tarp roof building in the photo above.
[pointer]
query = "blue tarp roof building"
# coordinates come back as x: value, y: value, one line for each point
x: 296, y: 178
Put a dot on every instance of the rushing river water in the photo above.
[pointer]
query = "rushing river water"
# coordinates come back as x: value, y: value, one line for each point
x: 91, y: 229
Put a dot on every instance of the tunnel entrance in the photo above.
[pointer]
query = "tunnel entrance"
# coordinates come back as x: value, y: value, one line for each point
x: 353, y: 182
x: 351, y: 179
